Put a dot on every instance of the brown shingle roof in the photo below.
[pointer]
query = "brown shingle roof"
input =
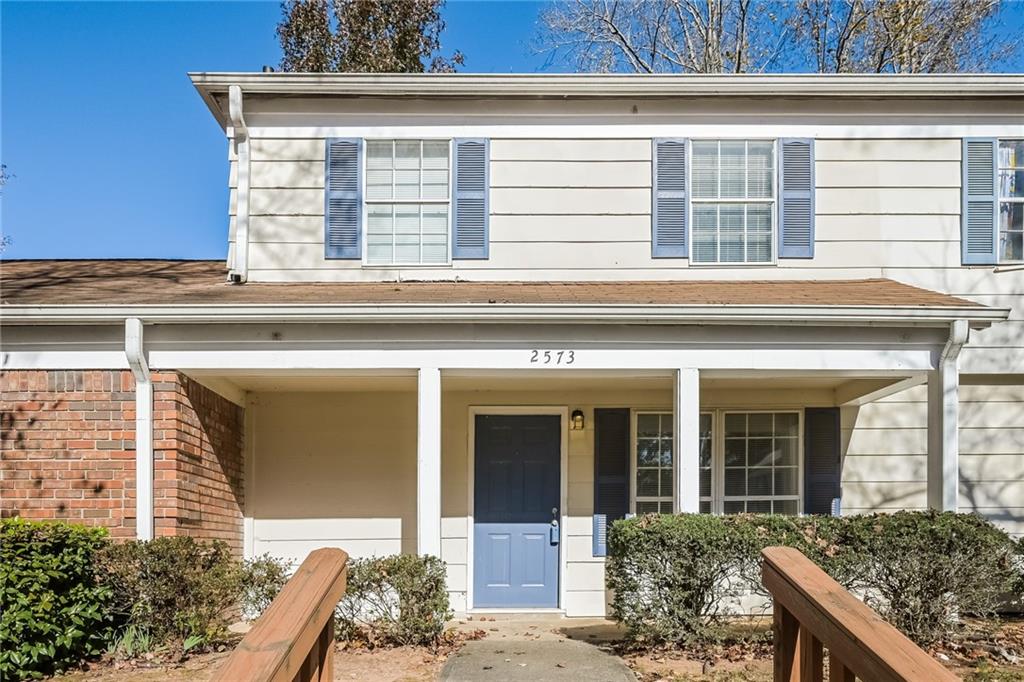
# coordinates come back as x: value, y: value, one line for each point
x: 176, y: 282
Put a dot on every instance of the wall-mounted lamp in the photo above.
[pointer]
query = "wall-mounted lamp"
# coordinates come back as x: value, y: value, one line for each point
x: 577, y: 420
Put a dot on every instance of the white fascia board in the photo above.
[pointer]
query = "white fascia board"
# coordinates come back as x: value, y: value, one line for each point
x: 471, y: 312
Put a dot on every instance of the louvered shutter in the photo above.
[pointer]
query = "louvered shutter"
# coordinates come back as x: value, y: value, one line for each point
x: 822, y: 460
x: 343, y: 200
x: 611, y: 472
x: 669, y: 219
x: 978, y: 219
x: 471, y: 206
x: 796, y: 198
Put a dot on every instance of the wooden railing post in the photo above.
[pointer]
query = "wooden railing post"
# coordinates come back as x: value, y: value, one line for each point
x: 293, y: 641
x: 812, y: 611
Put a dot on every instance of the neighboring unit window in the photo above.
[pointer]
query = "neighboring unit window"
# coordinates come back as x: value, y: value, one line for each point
x: 1011, y: 200
x: 653, y: 463
x: 407, y: 202
x: 733, y: 201
x: 653, y: 484
x: 761, y: 462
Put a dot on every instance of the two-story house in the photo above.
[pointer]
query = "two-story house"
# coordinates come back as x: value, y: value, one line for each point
x: 481, y: 317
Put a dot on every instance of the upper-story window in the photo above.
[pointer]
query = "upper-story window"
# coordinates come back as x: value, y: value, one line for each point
x: 408, y: 201
x: 733, y: 201
x: 1011, y: 200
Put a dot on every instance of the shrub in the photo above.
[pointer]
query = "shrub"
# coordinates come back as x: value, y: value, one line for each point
x: 262, y: 579
x: 673, y: 576
x: 394, y: 601
x: 173, y: 591
x: 52, y: 612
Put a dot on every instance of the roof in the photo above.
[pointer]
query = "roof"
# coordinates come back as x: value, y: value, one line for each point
x: 97, y: 288
x: 213, y: 86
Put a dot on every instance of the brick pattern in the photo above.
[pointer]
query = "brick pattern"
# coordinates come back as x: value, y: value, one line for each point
x: 67, y: 451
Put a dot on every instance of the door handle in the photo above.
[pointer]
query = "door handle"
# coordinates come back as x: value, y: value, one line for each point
x: 554, y: 532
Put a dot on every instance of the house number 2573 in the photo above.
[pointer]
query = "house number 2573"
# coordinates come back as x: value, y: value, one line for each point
x: 552, y: 357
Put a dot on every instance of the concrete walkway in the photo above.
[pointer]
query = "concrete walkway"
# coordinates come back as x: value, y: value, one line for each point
x: 538, y: 650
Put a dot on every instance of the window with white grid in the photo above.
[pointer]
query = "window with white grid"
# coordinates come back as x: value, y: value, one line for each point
x: 1011, y: 201
x: 653, y: 472
x: 407, y: 202
x: 761, y: 462
x: 733, y: 201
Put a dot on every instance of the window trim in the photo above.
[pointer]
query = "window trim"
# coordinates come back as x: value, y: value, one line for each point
x: 366, y: 202
x: 1000, y: 200
x: 774, y: 204
x: 717, y: 498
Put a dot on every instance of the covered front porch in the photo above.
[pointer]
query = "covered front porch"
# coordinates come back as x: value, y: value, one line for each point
x: 380, y: 458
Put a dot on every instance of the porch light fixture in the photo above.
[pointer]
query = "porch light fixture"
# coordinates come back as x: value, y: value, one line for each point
x: 577, y: 420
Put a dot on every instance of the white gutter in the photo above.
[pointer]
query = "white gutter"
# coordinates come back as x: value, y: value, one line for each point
x: 496, y: 313
x: 144, y: 524
x: 239, y: 134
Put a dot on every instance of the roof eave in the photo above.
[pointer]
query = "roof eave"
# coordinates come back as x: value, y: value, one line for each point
x: 978, y: 316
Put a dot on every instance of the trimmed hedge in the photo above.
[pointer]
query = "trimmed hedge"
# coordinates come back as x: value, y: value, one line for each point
x: 53, y: 613
x: 674, y: 578
x: 394, y: 600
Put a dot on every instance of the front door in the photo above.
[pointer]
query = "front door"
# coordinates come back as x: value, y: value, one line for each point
x: 515, y: 511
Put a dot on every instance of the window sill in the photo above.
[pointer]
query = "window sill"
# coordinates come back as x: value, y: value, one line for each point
x: 405, y: 266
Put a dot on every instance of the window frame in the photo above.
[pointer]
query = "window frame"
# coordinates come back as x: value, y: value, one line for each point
x: 717, y: 497
x: 1000, y: 200
x: 366, y: 202
x: 773, y: 204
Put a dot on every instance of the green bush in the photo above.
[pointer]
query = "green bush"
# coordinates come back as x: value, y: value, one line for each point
x: 175, y: 592
x: 262, y: 579
x: 52, y: 611
x: 394, y: 601
x: 673, y: 577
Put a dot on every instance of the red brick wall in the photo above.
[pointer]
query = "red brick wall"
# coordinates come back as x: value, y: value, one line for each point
x: 67, y: 451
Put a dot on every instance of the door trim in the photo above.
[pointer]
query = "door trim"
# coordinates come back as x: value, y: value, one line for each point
x: 563, y: 484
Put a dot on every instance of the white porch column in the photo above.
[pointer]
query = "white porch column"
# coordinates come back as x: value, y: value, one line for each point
x: 428, y: 462
x: 686, y: 445
x: 943, y: 415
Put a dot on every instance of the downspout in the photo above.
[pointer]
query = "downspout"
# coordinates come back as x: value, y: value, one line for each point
x: 143, y: 428
x: 240, y: 138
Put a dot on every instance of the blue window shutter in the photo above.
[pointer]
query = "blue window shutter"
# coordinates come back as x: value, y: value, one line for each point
x: 611, y: 472
x: 980, y: 196
x: 822, y: 460
x: 343, y: 199
x: 471, y: 207
x: 669, y: 220
x: 796, y: 198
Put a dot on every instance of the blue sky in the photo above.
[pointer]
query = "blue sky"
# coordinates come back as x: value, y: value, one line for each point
x: 114, y: 154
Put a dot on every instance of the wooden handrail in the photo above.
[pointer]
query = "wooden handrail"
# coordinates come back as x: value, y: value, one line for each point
x: 811, y: 611
x: 294, y: 638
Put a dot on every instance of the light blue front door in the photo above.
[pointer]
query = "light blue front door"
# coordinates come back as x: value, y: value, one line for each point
x: 515, y: 510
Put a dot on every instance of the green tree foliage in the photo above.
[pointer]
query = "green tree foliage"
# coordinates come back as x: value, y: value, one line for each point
x: 363, y: 36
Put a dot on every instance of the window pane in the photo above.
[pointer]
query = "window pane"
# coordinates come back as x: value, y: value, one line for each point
x: 734, y: 507
x: 735, y: 482
x: 785, y: 481
x: 1011, y: 153
x: 731, y: 233
x: 647, y: 507
x: 647, y: 483
x: 759, y: 452
x: 759, y: 424
x: 705, y: 233
x: 788, y: 507
x: 735, y: 425
x: 759, y: 507
x: 666, y: 483
x: 1011, y: 183
x: 647, y: 425
x: 705, y: 482
x: 1011, y: 216
x: 785, y: 451
x: 735, y: 452
x: 759, y: 482
x: 787, y: 424
x: 705, y: 169
x: 647, y: 452
x: 378, y: 170
x: 732, y: 170
x: 1011, y: 246
x: 666, y: 451
x: 705, y: 507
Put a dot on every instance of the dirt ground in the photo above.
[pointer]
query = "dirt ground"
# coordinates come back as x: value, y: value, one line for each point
x: 975, y: 660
